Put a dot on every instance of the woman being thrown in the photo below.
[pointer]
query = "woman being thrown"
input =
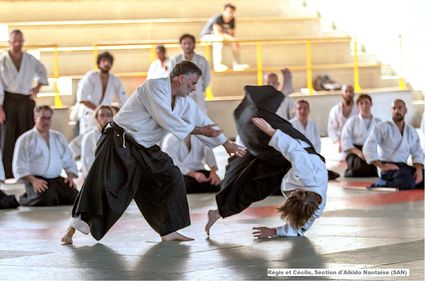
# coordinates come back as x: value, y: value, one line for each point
x: 304, y: 184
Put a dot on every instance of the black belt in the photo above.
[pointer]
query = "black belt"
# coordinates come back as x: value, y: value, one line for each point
x: 16, y: 96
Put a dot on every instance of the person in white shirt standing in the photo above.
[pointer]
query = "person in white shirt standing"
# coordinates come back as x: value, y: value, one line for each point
x: 18, y: 70
x: 191, y: 156
x: 160, y: 67
x: 353, y: 136
x: 389, y: 146
x: 98, y: 87
x: 187, y: 43
x: 39, y: 157
x: 130, y: 165
x: 304, y: 184
x: 339, y: 114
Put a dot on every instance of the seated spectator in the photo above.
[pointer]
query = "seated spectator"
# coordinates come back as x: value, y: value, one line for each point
x: 307, y: 127
x: 6, y: 201
x: 40, y: 155
x: 339, y: 114
x: 103, y: 115
x: 221, y: 29
x: 160, y: 68
x: 287, y: 108
x: 354, y: 134
x: 190, y: 156
x: 388, y: 148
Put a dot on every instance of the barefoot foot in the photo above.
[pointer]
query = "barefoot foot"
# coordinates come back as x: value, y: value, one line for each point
x: 288, y: 87
x: 213, y: 216
x: 175, y: 236
x: 67, y: 238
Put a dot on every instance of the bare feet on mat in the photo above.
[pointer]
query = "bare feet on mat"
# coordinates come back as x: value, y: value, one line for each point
x: 288, y: 88
x: 175, y: 236
x: 213, y: 216
x: 67, y: 238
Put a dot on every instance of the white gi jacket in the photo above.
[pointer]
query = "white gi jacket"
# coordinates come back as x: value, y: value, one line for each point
x: 312, y: 132
x: 32, y: 156
x: 90, y: 89
x: 20, y: 82
x: 356, y: 130
x: 386, y: 143
x: 88, y: 148
x: 147, y: 116
x: 308, y: 172
x: 188, y: 160
x: 337, y: 120
x: 157, y: 71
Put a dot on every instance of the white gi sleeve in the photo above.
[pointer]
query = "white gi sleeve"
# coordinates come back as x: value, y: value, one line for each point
x: 158, y: 105
x: 370, y: 147
x: 347, y: 135
x: 171, y: 146
x: 68, y: 162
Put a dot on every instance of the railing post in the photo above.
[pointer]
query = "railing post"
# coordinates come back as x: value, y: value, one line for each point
x: 401, y: 82
x: 58, y: 102
x: 309, y: 68
x: 153, y: 54
x: 357, y: 87
x: 259, y: 64
x: 207, y: 52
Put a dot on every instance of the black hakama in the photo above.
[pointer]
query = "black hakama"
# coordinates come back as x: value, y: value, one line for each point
x: 57, y: 193
x: 19, y: 110
x: 259, y: 173
x: 357, y: 167
x: 403, y: 178
x: 124, y: 170
x: 8, y: 201
x: 193, y: 186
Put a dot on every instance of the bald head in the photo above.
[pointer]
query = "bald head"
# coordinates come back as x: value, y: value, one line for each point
x: 347, y: 93
x: 398, y: 110
x: 271, y: 79
x: 16, y: 40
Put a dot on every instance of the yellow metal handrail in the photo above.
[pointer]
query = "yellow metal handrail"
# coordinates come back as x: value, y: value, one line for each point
x: 307, y: 41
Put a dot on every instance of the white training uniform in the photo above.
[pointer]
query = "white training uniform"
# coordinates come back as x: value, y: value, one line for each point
x: 147, y: 116
x: 356, y: 130
x: 337, y: 120
x: 286, y: 109
x: 308, y: 172
x: 88, y: 148
x: 32, y: 156
x: 156, y: 70
x: 188, y: 160
x: 199, y: 95
x: 20, y: 82
x: 386, y: 143
x: 311, y: 131
x: 90, y: 89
